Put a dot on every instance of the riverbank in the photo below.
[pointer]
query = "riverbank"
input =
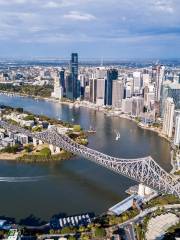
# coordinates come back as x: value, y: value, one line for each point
x: 19, y: 147
x: 94, y: 107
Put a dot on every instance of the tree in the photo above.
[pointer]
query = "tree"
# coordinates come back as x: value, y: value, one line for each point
x: 72, y: 238
x: 45, y: 152
x: 29, y: 118
x: 99, y: 232
x: 28, y: 148
x: 77, y: 128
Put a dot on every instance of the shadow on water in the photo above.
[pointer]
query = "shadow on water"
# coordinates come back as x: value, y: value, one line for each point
x: 31, y: 220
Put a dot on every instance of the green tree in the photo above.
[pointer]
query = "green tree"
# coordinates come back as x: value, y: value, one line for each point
x: 76, y: 128
x: 99, y: 232
x: 71, y: 238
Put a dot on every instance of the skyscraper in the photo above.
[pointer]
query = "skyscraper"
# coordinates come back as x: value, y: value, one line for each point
x: 177, y: 130
x: 58, y: 90
x: 171, y: 90
x: 100, y: 94
x: 74, y: 76
x: 168, y: 117
x: 160, y: 71
x: 93, y: 90
x: 112, y: 74
x: 117, y: 94
x: 62, y: 79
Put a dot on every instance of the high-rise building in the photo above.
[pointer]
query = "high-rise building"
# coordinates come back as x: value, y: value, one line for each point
x: 117, y: 93
x: 177, y: 129
x: 160, y: 72
x: 137, y: 82
x: 127, y: 105
x: 171, y: 90
x: 69, y: 86
x: 62, y: 79
x: 168, y: 117
x: 100, y: 94
x: 58, y: 90
x: 112, y: 74
x: 74, y: 76
x: 137, y: 105
x: 93, y: 90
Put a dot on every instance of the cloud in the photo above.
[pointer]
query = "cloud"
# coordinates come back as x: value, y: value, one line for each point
x: 164, y: 6
x: 75, y: 15
x: 89, y: 21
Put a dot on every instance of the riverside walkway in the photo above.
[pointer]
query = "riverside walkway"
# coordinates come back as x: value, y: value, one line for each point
x: 143, y: 170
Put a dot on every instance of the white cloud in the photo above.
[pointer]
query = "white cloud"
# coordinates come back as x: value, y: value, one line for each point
x: 75, y: 15
x: 51, y: 4
x: 164, y: 6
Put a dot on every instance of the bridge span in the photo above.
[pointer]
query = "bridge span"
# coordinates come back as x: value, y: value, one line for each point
x: 143, y: 170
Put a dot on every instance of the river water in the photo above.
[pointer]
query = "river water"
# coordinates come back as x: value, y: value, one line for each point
x: 76, y: 185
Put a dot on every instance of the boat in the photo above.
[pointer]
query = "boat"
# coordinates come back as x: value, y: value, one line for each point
x: 91, y: 130
x: 117, y: 136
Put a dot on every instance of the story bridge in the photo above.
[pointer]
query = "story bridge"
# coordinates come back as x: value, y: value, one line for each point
x: 143, y: 170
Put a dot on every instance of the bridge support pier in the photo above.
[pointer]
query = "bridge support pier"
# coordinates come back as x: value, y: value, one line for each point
x: 57, y: 150
x: 52, y: 149
x: 35, y: 142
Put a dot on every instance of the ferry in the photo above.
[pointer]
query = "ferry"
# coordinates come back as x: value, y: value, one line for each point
x: 91, y: 130
x: 117, y: 136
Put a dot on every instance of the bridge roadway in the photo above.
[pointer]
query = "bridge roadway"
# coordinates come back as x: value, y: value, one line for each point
x: 143, y: 170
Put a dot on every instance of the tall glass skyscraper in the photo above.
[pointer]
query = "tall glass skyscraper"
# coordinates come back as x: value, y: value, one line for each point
x: 112, y: 74
x: 74, y: 76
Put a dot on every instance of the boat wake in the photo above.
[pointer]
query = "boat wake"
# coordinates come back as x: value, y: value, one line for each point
x: 21, y: 179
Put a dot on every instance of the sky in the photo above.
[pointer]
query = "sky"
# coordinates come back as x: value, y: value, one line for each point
x: 122, y: 29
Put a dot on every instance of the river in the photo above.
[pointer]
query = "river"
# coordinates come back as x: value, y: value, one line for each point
x: 76, y: 185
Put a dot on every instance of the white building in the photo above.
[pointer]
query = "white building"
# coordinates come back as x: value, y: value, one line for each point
x: 160, y: 71
x: 100, y: 95
x: 168, y: 117
x: 58, y: 89
x: 137, y: 82
x: 177, y: 130
x: 127, y: 105
x: 137, y: 106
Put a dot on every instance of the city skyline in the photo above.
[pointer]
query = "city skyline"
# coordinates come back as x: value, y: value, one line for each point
x: 124, y: 29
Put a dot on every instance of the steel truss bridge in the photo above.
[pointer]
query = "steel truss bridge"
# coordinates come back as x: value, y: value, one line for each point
x: 143, y: 170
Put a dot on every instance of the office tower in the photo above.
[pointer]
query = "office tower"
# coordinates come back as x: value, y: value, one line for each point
x: 137, y: 105
x: 93, y: 90
x: 137, y: 83
x: 74, y: 76
x: 146, y: 79
x: 149, y: 96
x: 112, y: 74
x: 69, y: 86
x: 168, y: 117
x: 127, y: 105
x: 171, y: 90
x: 128, y: 91
x: 100, y: 94
x: 58, y: 90
x: 160, y: 71
x: 177, y: 129
x: 117, y: 93
x: 62, y: 79
x: 82, y: 79
x: 87, y: 93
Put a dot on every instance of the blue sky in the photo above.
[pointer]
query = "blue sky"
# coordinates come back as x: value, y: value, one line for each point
x: 93, y: 28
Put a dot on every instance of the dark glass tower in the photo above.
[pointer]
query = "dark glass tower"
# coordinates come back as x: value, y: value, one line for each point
x: 112, y: 74
x: 74, y: 75
x: 62, y: 79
